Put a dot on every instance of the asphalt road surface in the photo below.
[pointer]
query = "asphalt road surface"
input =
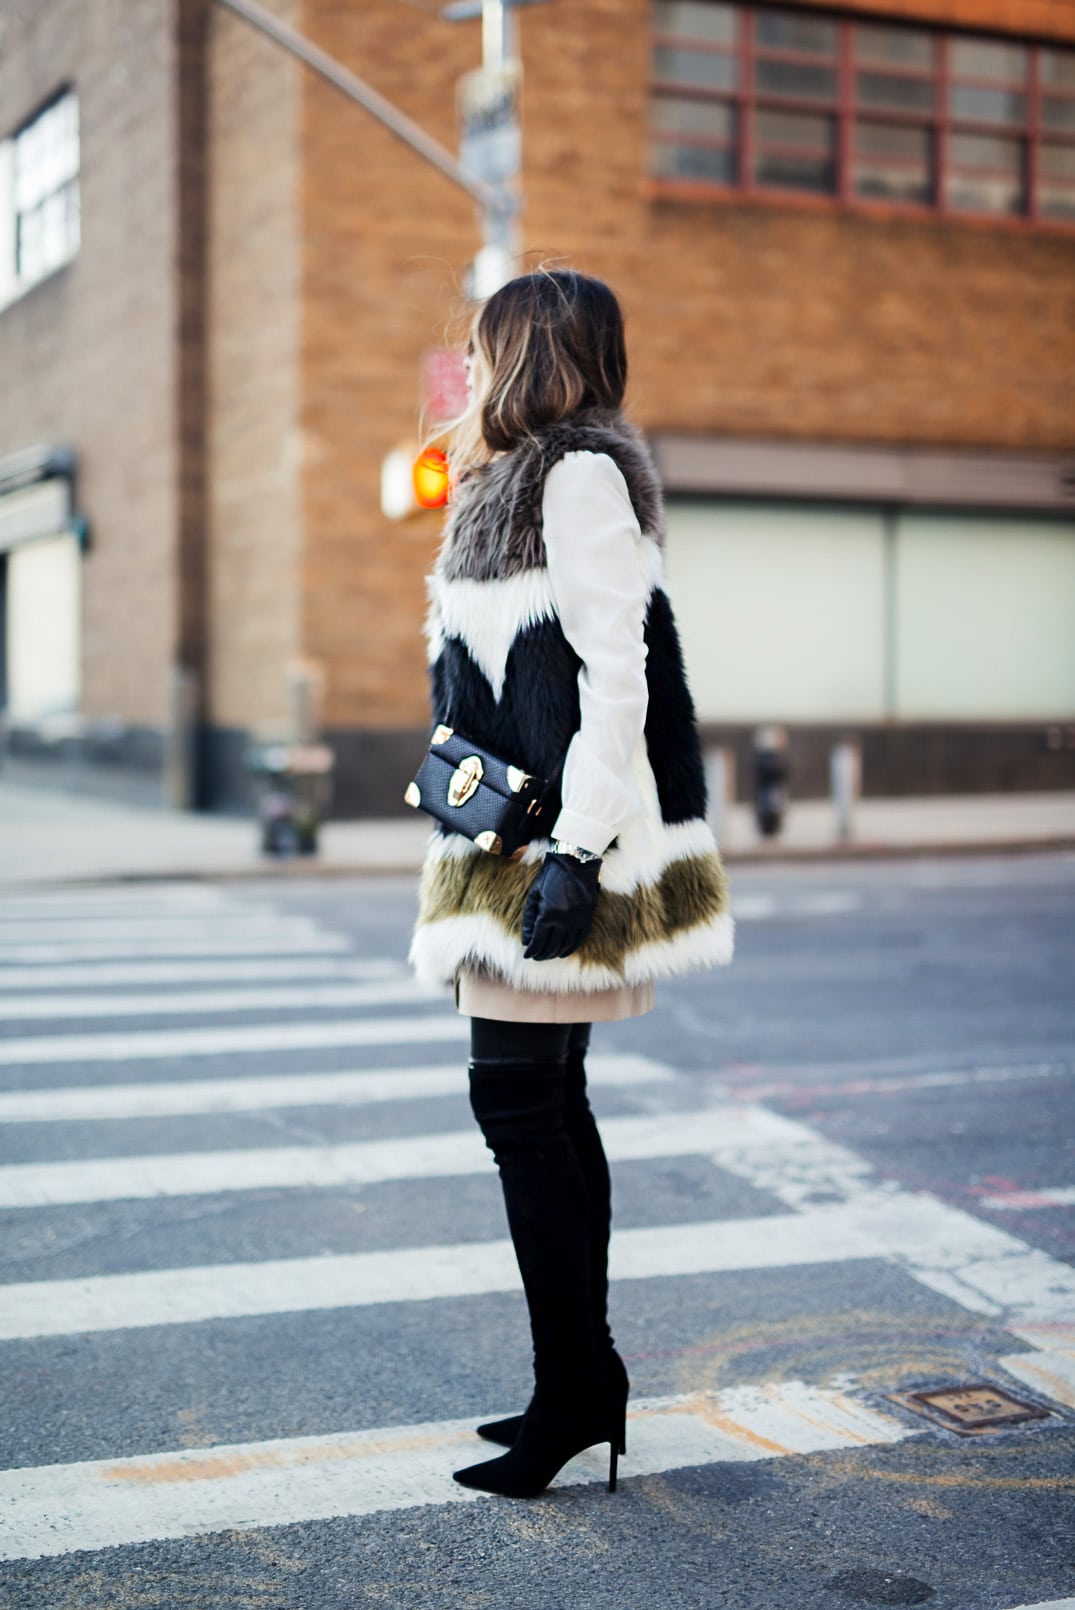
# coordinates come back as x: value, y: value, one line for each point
x: 255, y: 1287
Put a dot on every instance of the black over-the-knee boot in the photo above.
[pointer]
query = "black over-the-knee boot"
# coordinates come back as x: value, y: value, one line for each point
x: 517, y: 1088
x: 586, y: 1139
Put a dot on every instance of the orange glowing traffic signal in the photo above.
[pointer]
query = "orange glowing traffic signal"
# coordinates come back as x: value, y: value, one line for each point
x: 431, y: 478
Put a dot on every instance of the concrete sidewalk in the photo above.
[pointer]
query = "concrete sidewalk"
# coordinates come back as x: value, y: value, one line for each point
x: 51, y: 837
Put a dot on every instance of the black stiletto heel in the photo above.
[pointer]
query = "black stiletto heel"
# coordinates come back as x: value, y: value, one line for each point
x: 552, y: 1433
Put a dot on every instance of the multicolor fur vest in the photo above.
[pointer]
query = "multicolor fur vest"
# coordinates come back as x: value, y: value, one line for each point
x: 503, y: 673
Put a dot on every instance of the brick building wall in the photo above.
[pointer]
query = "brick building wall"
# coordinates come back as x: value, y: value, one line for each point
x: 255, y: 312
x: 88, y: 354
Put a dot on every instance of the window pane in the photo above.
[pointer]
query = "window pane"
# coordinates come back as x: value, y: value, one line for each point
x: 987, y: 105
x: 873, y: 177
x: 981, y: 58
x: 904, y: 46
x: 985, y: 151
x: 1057, y: 201
x: 796, y: 172
x: 1058, y: 161
x: 891, y: 140
x: 969, y: 192
x: 713, y: 23
x: 1057, y: 113
x: 675, y: 115
x: 789, y: 78
x: 902, y: 94
x: 792, y: 31
x: 28, y: 245
x: 1058, y: 67
x: 703, y: 68
x: 671, y: 161
x: 795, y: 128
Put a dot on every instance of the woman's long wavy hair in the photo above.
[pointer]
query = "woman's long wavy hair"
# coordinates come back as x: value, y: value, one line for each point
x: 544, y: 346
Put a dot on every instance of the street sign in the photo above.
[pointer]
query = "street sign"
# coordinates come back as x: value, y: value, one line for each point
x: 490, y: 140
x: 444, y: 383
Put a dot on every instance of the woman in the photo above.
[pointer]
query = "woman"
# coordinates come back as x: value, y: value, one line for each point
x: 552, y: 643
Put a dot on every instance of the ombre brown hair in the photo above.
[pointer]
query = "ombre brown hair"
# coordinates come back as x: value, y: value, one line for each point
x: 545, y: 346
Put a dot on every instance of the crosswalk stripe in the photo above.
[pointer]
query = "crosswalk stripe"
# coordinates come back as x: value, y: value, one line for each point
x: 979, y: 1267
x: 73, y: 902
x: 255, y: 943
x: 107, y: 1179
x: 76, y: 1103
x: 245, y: 970
x: 235, y: 923
x: 101, y: 1503
x: 209, y: 1002
x: 153, y: 1044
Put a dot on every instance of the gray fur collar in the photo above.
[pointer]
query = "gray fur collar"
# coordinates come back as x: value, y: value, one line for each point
x: 493, y: 528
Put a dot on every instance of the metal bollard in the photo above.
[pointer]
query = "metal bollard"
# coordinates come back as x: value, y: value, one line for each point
x: 770, y: 778
x: 720, y: 786
x: 845, y: 783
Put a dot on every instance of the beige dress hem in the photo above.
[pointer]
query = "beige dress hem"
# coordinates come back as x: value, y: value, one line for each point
x: 477, y: 995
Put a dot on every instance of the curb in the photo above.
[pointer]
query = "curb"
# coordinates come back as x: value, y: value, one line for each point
x: 301, y: 868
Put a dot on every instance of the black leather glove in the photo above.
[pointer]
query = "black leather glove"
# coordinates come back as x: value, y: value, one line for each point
x: 560, y: 906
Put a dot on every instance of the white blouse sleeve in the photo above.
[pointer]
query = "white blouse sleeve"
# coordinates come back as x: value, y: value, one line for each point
x: 601, y: 589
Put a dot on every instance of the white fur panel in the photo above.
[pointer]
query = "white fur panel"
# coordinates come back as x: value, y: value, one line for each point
x: 439, y: 949
x: 646, y: 847
x: 489, y: 615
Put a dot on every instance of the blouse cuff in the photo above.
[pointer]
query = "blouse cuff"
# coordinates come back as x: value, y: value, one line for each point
x: 585, y: 831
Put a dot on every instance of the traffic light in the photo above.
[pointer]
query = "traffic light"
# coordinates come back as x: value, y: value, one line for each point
x: 413, y: 481
x: 431, y: 478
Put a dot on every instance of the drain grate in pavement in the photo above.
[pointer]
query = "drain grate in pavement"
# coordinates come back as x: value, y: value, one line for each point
x: 978, y: 1407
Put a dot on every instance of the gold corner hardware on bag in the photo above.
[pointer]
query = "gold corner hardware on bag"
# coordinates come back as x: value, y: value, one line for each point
x: 517, y: 778
x: 441, y: 735
x: 490, y: 841
x: 465, y: 779
x: 534, y: 805
x: 413, y: 795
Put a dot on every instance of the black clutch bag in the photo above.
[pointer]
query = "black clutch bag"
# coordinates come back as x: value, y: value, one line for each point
x: 499, y: 806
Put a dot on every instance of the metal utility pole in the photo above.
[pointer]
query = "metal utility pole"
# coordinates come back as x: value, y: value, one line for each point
x: 488, y: 169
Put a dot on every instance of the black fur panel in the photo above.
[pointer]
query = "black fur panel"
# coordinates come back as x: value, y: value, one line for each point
x: 672, y: 739
x: 538, y: 714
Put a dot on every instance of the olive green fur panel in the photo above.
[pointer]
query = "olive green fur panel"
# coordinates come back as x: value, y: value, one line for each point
x: 690, y: 894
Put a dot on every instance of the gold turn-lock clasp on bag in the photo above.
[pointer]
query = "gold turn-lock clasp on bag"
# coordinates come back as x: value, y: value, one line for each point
x: 465, y: 779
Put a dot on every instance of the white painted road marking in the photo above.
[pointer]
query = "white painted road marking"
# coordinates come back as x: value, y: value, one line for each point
x: 101, y: 1503
x: 108, y: 1179
x: 1035, y: 1196
x: 209, y: 1002
x: 184, y: 1096
x: 234, y: 924
x: 152, y: 1044
x: 252, y: 944
x: 981, y: 1268
x: 246, y: 970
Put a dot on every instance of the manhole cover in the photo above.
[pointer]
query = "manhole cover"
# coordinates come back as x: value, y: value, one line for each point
x: 881, y: 1587
x: 979, y: 1407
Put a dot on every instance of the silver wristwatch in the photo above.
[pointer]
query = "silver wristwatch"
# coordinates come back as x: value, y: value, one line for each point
x: 562, y: 847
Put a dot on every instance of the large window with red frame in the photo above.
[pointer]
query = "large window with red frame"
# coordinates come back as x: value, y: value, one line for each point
x: 763, y: 98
